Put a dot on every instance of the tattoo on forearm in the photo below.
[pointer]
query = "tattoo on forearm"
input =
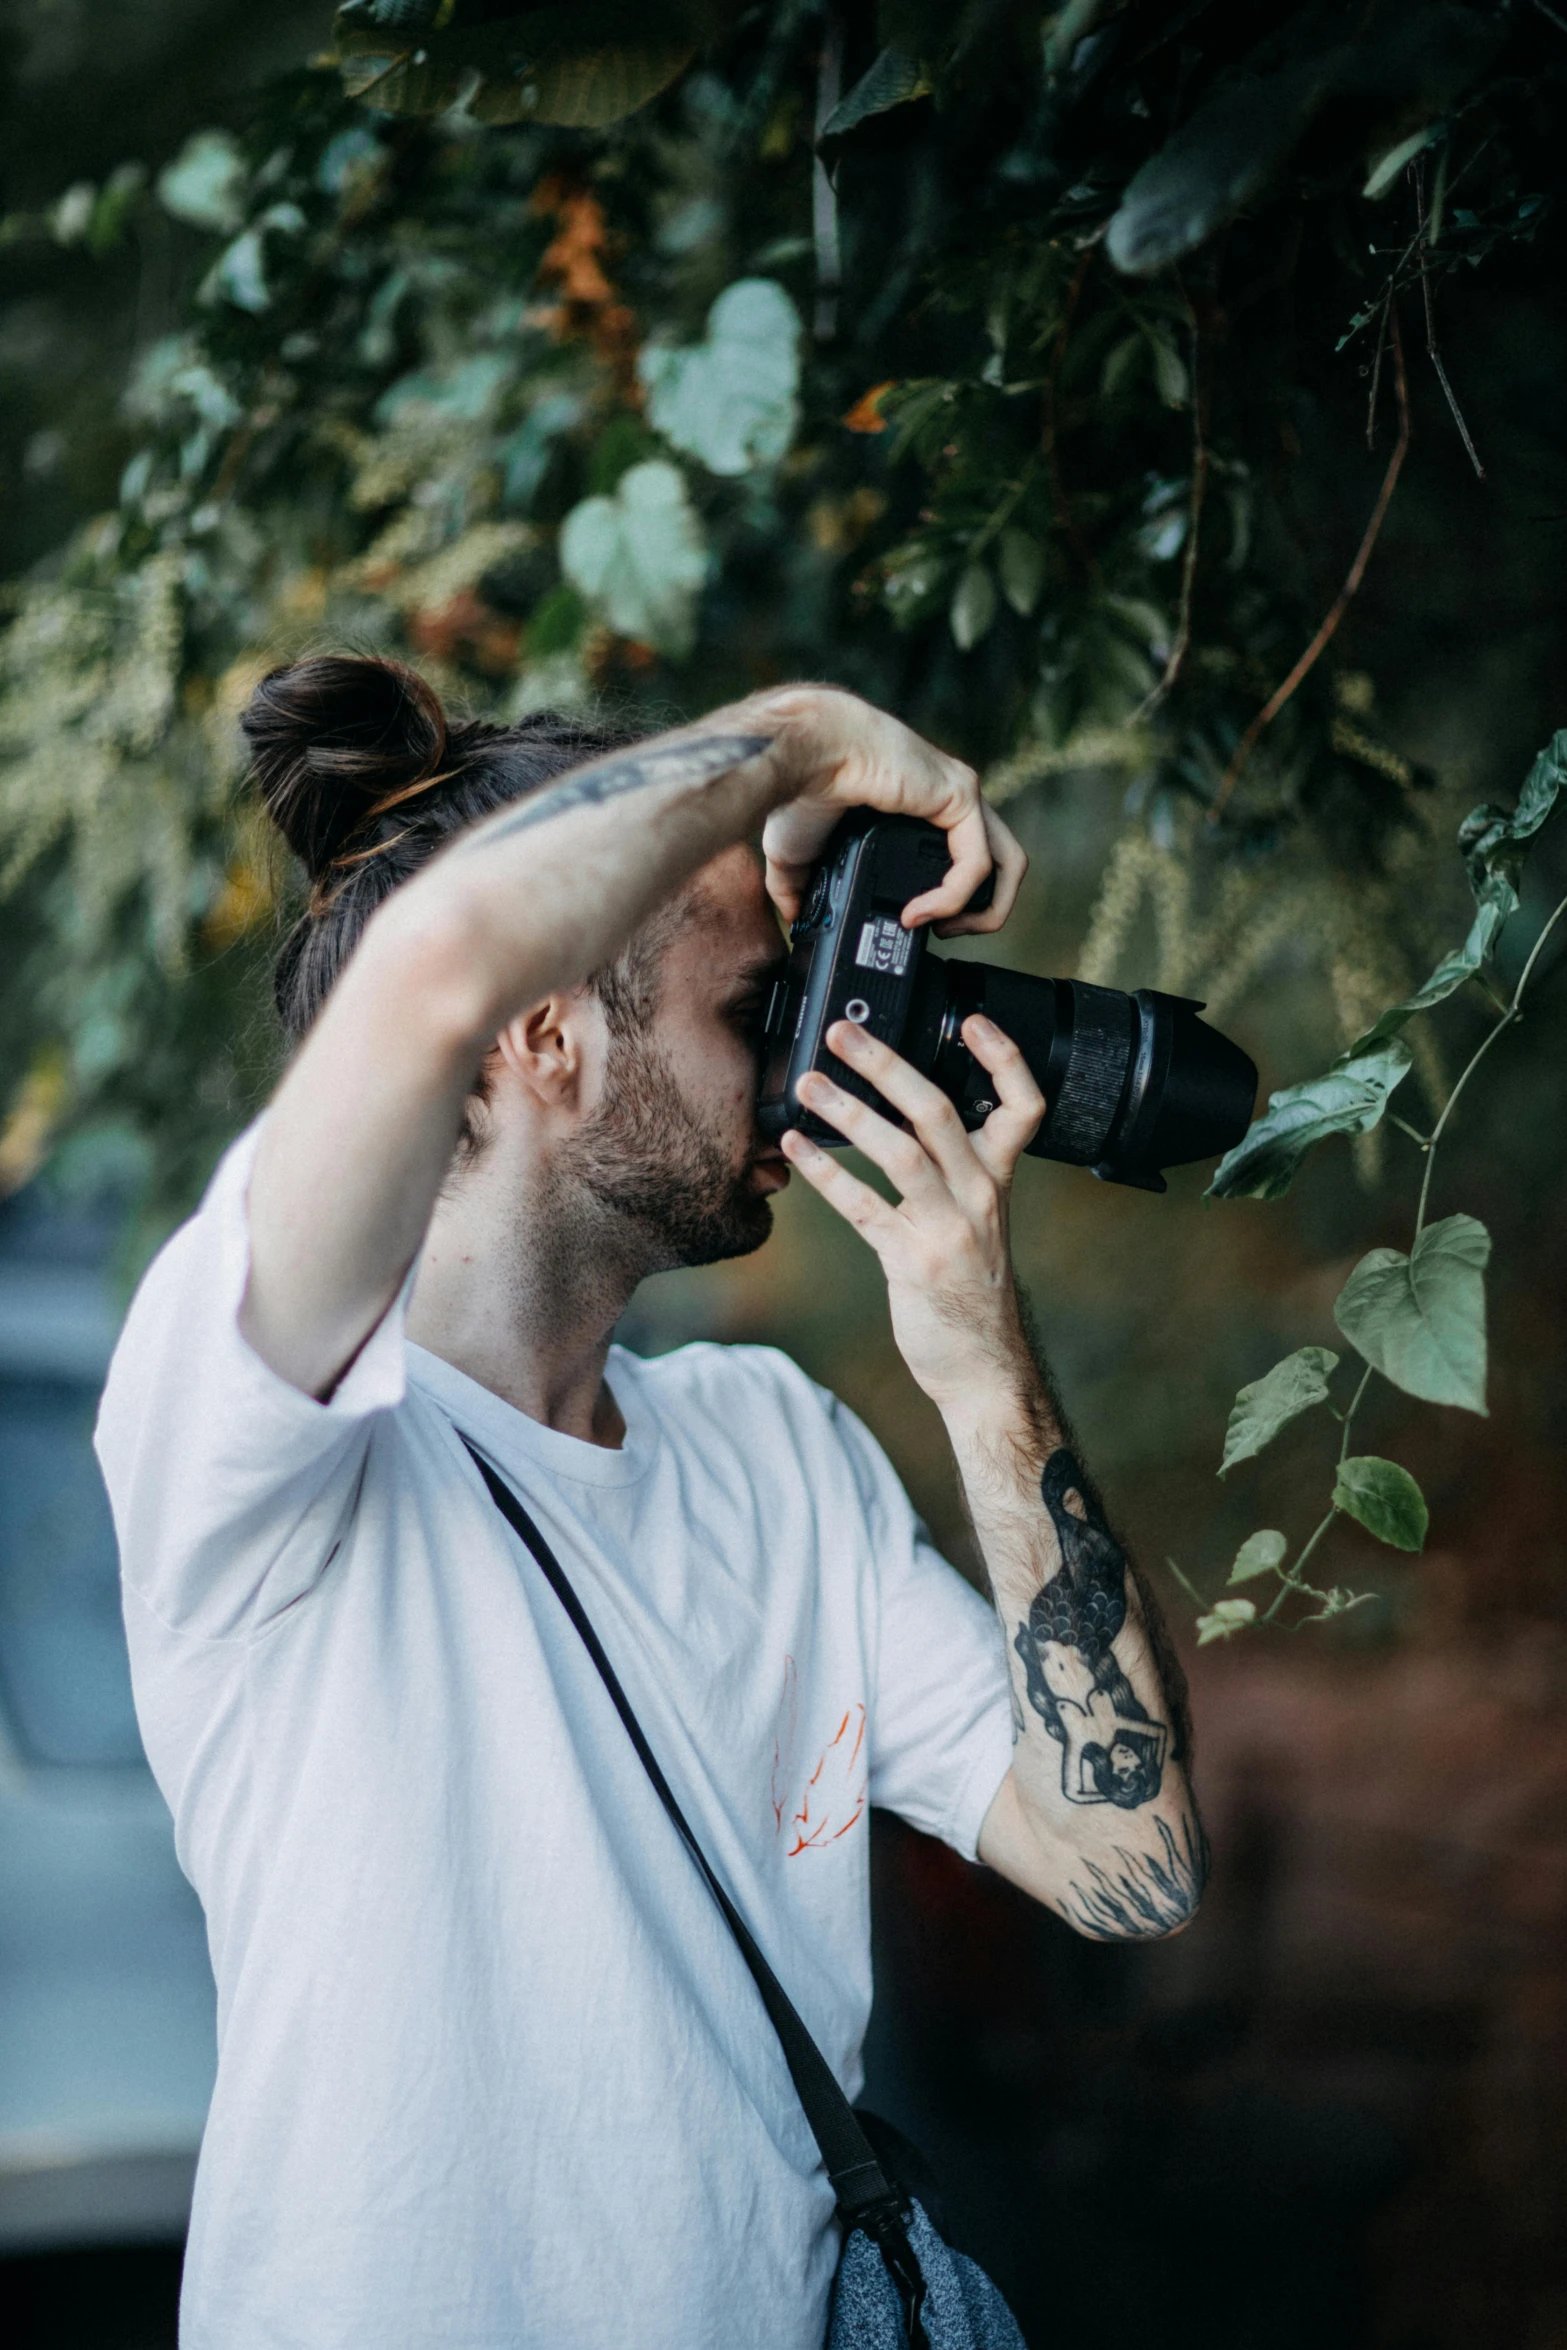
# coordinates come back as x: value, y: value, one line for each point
x: 700, y: 759
x: 1112, y: 1751
x: 1145, y: 1895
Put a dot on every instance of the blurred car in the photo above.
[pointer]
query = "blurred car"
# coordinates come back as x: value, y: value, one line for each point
x: 106, y: 1998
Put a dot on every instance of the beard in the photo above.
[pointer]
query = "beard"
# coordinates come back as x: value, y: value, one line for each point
x: 645, y: 1158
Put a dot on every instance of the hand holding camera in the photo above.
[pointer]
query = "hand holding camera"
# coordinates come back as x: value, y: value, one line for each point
x: 848, y: 755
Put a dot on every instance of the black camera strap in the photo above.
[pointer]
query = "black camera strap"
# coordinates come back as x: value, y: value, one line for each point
x: 865, y: 2195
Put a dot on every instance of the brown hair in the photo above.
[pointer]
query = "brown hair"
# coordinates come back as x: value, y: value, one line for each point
x: 366, y: 778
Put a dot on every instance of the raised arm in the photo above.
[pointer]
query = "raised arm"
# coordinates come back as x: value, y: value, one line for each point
x: 362, y: 1130
x: 1096, y: 1816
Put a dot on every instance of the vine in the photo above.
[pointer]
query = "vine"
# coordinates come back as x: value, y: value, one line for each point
x: 1418, y: 1318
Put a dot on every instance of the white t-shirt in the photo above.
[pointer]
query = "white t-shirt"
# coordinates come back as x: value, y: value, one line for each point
x: 491, y: 2073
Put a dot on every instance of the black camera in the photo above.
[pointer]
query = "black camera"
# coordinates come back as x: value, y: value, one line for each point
x: 1132, y: 1083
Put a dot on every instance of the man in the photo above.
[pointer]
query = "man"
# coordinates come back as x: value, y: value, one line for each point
x: 491, y: 2070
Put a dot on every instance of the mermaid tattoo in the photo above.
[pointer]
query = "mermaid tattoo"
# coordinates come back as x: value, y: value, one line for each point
x: 1112, y: 1750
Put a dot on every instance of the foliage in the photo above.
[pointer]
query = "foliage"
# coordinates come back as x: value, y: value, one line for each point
x: 987, y: 359
x: 1416, y: 1317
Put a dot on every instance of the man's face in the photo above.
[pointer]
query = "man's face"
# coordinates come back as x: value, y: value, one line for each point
x: 673, y: 1146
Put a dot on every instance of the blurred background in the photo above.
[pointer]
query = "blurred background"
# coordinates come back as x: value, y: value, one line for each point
x: 1063, y: 364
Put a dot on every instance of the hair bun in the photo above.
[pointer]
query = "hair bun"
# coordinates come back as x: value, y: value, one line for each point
x: 334, y: 741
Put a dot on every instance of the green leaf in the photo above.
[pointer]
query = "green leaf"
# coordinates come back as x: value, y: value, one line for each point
x: 731, y: 399
x: 1349, y: 1098
x: 205, y: 183
x: 1216, y: 164
x: 588, y: 91
x: 1169, y: 368
x: 1261, y: 1553
x: 1271, y: 1402
x: 1224, y: 1619
x: 1384, y: 1498
x: 1387, y: 167
x: 892, y: 80
x: 1494, y: 844
x: 1420, y: 1319
x: 973, y: 606
x: 1020, y: 562
x: 639, y: 556
x: 587, y: 64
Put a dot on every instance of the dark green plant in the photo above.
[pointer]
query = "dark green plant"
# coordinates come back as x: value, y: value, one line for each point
x: 1416, y: 1318
x: 1012, y: 364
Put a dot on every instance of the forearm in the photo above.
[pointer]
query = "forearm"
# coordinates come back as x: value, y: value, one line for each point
x: 1098, y: 1817
x: 361, y: 1133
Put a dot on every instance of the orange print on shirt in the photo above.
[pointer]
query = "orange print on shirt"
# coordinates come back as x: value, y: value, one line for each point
x: 835, y: 1792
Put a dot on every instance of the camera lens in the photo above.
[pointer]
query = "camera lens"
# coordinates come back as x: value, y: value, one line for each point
x: 1132, y: 1083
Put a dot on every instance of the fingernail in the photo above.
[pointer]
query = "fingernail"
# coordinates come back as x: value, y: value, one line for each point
x: 985, y: 1027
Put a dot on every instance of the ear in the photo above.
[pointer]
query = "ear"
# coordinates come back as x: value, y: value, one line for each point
x: 546, y: 1048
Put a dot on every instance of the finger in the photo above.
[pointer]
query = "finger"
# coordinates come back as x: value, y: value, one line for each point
x: 786, y: 886
x: 854, y: 1201
x: 1010, y: 861
x: 934, y: 1118
x: 901, y: 1156
x: 968, y: 844
x: 1020, y: 1105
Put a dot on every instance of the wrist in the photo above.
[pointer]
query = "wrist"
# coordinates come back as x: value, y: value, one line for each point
x: 1006, y: 1412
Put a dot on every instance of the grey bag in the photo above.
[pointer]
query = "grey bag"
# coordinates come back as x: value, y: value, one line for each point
x: 899, y: 2285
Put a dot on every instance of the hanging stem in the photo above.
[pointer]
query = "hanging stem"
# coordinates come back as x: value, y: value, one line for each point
x: 1513, y: 1013
x: 1357, y: 571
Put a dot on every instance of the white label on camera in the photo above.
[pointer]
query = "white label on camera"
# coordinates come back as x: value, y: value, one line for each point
x: 884, y: 946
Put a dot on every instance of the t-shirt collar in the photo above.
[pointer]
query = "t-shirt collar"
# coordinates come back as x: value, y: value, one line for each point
x: 514, y: 1442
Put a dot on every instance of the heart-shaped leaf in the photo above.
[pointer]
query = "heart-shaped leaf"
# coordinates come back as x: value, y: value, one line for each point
x: 1384, y: 1498
x: 639, y: 556
x: 1349, y: 1098
x: 1224, y: 1619
x: 1260, y: 1554
x: 1420, y: 1319
x: 731, y: 399
x: 1272, y: 1401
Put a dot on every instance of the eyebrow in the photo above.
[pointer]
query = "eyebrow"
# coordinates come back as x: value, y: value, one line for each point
x: 771, y: 967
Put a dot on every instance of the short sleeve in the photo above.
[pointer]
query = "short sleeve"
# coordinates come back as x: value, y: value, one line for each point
x: 229, y: 1487
x: 941, y: 1738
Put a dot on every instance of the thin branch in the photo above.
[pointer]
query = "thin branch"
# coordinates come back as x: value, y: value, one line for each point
x: 1185, y: 1582
x: 1513, y: 1013
x: 1432, y: 353
x: 1376, y: 374
x: 1319, y: 643
x: 1183, y: 622
x: 1355, y: 1402
x: 1291, y: 1581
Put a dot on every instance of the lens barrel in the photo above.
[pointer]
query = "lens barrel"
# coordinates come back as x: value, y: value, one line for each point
x: 1132, y: 1083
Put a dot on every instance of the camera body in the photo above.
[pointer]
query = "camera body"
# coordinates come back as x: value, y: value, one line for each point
x: 1132, y: 1083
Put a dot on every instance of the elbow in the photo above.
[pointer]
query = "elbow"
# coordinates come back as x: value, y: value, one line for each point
x: 1147, y: 1894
